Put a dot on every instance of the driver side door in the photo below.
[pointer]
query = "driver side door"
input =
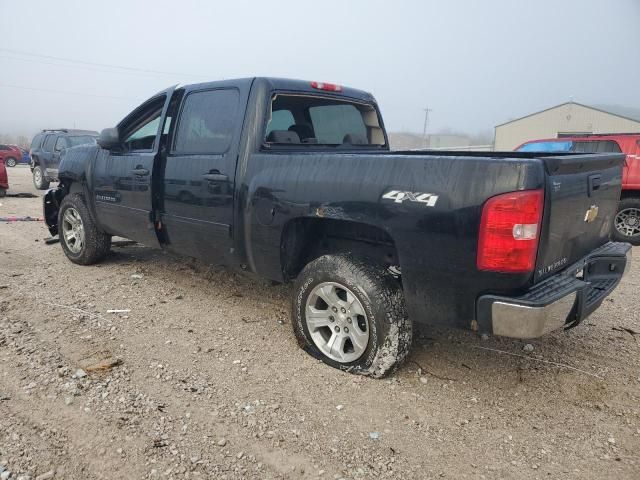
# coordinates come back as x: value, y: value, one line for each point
x: 123, y: 177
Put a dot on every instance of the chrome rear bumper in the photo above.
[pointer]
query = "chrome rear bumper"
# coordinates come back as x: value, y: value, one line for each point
x: 561, y: 301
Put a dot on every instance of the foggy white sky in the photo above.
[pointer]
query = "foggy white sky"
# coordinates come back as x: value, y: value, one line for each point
x: 475, y: 63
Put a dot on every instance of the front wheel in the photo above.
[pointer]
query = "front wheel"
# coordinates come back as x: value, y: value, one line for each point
x: 39, y: 179
x: 626, y: 226
x: 10, y: 162
x: 349, y: 312
x: 80, y: 238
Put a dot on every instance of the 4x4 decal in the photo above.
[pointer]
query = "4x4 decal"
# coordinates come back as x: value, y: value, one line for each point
x: 398, y: 196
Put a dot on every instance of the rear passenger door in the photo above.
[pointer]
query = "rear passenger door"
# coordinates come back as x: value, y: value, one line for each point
x: 46, y: 154
x: 200, y: 170
x: 61, y: 144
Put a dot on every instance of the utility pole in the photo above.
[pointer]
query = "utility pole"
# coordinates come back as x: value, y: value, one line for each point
x: 424, y: 129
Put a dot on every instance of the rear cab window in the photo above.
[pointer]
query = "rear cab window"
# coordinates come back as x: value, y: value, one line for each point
x: 315, y: 121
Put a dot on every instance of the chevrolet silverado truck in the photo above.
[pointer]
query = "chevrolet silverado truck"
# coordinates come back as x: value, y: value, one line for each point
x: 295, y: 182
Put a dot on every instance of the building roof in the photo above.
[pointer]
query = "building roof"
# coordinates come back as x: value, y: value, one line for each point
x: 627, y: 113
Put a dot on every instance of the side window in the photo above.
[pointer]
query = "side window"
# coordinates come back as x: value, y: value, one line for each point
x: 4, y: 147
x: 611, y: 146
x: 61, y: 144
x: 140, y: 130
x: 280, y: 120
x: 37, y: 140
x: 207, y: 122
x: 596, y: 146
x: 48, y: 143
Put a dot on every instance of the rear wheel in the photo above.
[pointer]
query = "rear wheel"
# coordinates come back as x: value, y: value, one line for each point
x: 80, y: 238
x: 10, y: 162
x: 626, y: 227
x: 349, y: 312
x: 39, y: 179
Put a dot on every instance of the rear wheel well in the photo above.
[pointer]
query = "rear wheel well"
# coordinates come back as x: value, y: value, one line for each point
x: 305, y: 239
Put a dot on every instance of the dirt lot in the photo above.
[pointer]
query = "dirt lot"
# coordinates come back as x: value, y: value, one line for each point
x: 203, y: 379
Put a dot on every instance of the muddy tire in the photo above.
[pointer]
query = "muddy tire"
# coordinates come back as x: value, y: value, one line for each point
x: 626, y: 225
x: 82, y: 242
x: 39, y: 179
x: 349, y: 312
x: 10, y: 162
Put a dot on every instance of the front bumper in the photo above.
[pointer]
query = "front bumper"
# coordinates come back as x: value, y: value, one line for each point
x: 561, y: 301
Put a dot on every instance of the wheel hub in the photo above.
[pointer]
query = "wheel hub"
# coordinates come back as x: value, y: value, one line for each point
x: 627, y: 222
x: 337, y: 322
x: 73, y: 230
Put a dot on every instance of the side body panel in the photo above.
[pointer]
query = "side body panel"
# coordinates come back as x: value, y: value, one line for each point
x: 436, y: 241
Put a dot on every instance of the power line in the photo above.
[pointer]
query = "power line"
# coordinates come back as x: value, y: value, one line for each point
x: 66, y: 93
x: 82, y: 67
x: 95, y: 64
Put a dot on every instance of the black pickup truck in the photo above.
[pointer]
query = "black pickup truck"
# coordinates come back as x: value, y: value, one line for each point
x: 295, y: 181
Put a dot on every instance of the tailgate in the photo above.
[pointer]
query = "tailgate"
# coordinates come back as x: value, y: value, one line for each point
x: 581, y: 198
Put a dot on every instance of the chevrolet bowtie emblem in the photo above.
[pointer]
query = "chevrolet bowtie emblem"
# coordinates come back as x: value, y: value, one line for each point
x: 591, y: 214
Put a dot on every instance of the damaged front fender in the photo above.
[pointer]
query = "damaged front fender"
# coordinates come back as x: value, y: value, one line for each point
x: 51, y: 206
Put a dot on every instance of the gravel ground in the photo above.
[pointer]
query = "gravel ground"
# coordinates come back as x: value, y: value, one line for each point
x: 202, y: 378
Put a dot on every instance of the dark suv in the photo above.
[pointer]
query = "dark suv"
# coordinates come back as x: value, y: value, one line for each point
x: 45, y: 152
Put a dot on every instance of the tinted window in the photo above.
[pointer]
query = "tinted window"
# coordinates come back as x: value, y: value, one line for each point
x: 61, y: 143
x: 81, y: 140
x: 332, y: 123
x: 4, y: 147
x: 35, y: 143
x: 48, y: 143
x: 596, y: 146
x: 207, y: 122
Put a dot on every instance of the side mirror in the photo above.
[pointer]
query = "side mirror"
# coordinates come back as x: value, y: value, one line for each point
x: 109, y: 138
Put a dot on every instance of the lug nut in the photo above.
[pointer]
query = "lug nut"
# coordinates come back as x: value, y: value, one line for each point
x: 337, y: 328
x: 335, y: 310
x: 346, y: 329
x: 349, y: 319
x: 343, y: 310
x: 331, y: 319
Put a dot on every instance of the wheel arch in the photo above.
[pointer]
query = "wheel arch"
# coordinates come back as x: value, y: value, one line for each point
x: 304, y: 239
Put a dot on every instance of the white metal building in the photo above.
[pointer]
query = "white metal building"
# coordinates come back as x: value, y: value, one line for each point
x: 566, y: 118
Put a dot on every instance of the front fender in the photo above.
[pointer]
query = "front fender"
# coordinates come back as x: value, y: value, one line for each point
x: 51, y: 206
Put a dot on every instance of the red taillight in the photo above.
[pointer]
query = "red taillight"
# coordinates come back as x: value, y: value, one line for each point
x: 329, y: 87
x: 509, y: 231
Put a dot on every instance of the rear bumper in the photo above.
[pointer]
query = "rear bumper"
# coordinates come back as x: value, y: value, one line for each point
x: 561, y: 301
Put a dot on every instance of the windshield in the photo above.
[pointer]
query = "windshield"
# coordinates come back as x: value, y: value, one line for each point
x: 322, y: 121
x: 81, y: 140
x: 551, y: 146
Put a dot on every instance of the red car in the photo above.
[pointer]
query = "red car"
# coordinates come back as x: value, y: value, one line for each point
x: 627, y: 221
x: 4, y: 181
x: 11, y: 154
